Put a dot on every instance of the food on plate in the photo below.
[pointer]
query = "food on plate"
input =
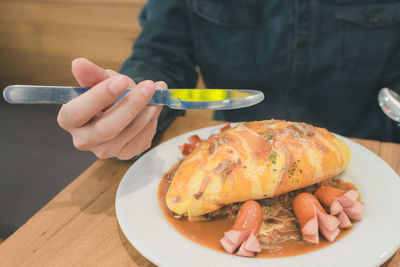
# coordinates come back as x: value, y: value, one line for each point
x: 343, y: 204
x: 313, y: 218
x: 226, y: 127
x: 263, y: 189
x: 254, y: 160
x: 187, y: 148
x: 244, y: 231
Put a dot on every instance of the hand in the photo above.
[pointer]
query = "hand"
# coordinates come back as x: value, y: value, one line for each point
x: 120, y: 130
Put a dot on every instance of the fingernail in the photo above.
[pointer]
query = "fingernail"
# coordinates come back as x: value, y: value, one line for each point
x: 147, y: 88
x: 161, y: 85
x: 117, y: 85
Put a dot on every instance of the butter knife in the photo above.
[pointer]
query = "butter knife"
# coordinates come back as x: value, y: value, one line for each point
x: 215, y: 99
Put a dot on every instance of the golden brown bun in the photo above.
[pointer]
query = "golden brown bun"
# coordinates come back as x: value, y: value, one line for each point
x: 252, y: 161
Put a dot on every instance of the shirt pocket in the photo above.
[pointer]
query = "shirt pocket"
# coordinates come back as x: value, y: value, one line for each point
x: 369, y: 34
x: 224, y: 32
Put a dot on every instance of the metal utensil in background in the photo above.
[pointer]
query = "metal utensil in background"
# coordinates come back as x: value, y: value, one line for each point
x: 214, y: 99
x: 389, y: 101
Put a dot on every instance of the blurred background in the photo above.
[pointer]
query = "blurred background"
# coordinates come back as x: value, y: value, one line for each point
x: 38, y: 41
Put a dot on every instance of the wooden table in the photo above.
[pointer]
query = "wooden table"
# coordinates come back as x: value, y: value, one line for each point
x: 79, y: 227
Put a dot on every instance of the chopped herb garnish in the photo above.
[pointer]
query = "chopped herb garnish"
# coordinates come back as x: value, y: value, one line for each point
x: 262, y: 133
x: 274, y: 170
x: 273, y: 156
x: 270, y: 137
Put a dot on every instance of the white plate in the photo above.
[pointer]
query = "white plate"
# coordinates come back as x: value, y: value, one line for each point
x: 370, y: 243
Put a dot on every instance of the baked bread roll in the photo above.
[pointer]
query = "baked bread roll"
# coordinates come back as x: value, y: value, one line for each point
x: 254, y: 160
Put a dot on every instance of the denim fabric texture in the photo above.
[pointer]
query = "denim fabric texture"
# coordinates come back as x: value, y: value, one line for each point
x: 317, y: 61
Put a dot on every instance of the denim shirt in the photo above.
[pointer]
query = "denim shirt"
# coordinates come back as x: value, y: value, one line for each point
x: 317, y: 61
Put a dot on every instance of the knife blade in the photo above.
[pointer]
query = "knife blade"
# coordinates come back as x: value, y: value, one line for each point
x: 214, y: 99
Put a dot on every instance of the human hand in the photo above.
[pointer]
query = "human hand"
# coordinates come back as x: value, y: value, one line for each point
x: 120, y: 130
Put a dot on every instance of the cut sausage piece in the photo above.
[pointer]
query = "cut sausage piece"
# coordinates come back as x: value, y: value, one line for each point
x: 313, y: 217
x: 233, y: 238
x: 336, y: 208
x: 226, y: 127
x: 355, y: 211
x: 329, y: 235
x: 186, y: 148
x: 326, y: 194
x: 249, y: 217
x: 194, y: 139
x: 249, y: 246
x: 244, y: 230
x: 329, y: 222
x: 310, y: 230
x: 344, y: 220
x: 341, y: 203
x: 252, y: 243
x: 348, y: 198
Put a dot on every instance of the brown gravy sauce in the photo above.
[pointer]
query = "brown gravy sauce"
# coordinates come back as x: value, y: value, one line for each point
x: 208, y: 233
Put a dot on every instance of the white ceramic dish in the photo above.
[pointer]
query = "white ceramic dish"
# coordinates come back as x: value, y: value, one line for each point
x: 370, y: 243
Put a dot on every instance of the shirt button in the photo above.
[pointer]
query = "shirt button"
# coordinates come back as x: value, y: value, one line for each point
x: 301, y: 45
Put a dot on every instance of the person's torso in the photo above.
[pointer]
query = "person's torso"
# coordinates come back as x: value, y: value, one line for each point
x: 322, y: 62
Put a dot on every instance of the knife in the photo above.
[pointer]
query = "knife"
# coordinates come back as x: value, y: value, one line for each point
x: 215, y: 99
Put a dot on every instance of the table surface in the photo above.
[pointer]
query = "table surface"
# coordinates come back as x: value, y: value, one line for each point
x: 79, y: 226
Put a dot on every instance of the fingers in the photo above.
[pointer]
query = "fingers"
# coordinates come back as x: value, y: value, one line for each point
x: 139, y: 143
x: 80, y: 110
x: 113, y: 121
x: 87, y: 73
x: 161, y: 85
x: 100, y: 125
x: 133, y: 147
x: 111, y: 73
x: 114, y: 147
